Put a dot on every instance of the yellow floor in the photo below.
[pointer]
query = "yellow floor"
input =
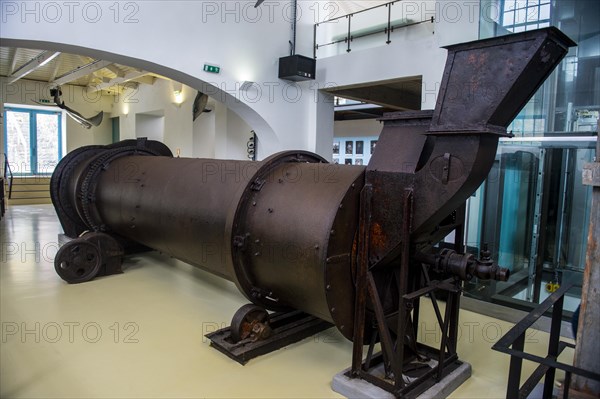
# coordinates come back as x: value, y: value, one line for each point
x: 141, y: 334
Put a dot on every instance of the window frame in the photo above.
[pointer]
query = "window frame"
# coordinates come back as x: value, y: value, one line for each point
x: 33, y: 112
x: 523, y: 26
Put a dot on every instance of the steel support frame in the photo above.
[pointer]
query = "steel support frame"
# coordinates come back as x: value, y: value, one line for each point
x: 392, y: 353
x: 513, y: 343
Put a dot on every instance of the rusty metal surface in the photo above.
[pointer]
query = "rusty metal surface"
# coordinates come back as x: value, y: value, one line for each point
x: 587, y: 350
x: 286, y: 229
x: 446, y: 155
x: 591, y: 174
x: 159, y: 213
x: 486, y: 83
x: 295, y: 231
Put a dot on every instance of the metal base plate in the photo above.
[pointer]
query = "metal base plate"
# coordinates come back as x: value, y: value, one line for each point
x: 287, y: 327
x: 357, y: 388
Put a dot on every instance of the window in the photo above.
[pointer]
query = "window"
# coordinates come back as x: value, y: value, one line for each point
x: 522, y: 15
x: 33, y: 140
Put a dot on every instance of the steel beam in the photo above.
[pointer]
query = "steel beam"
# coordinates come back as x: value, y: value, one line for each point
x: 37, y: 62
x: 81, y: 71
x: 117, y: 81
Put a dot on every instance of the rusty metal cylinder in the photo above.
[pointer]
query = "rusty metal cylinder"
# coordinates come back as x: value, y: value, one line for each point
x: 282, y: 229
x: 178, y: 206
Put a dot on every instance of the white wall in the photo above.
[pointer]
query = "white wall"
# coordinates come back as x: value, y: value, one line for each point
x: 176, y: 38
x: 157, y: 100
x: 150, y: 126
x: 220, y: 134
x: 414, y: 51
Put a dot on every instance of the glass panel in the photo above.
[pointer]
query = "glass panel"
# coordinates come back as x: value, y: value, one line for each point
x: 47, y: 142
x: 18, y: 141
x: 565, y: 107
x: 568, y: 210
x: 521, y: 3
x: 521, y: 16
x: 545, y: 12
x: 533, y: 197
x: 369, y: 28
x: 532, y: 14
x: 509, y: 188
x: 509, y: 18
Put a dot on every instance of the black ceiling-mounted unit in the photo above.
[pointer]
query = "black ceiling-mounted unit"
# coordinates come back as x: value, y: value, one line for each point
x: 297, y: 68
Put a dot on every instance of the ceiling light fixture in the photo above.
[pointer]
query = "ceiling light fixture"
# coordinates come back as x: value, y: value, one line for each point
x: 178, y: 94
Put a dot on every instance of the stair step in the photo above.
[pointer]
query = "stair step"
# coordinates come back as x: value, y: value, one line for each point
x: 30, y: 194
x: 28, y: 187
x: 29, y: 190
x: 30, y: 180
x: 28, y: 201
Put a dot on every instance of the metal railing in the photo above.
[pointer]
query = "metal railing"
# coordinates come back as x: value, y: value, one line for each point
x: 8, y: 173
x: 387, y: 30
x: 513, y: 343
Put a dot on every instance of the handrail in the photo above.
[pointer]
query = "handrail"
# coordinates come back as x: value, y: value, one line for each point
x: 358, y: 12
x: 384, y: 30
x: 8, y: 170
x: 515, y: 338
x: 387, y: 30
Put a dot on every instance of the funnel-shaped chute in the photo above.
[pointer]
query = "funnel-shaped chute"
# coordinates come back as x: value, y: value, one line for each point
x: 486, y: 83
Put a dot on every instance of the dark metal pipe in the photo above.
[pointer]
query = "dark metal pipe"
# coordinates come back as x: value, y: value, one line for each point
x: 284, y: 229
x: 281, y: 229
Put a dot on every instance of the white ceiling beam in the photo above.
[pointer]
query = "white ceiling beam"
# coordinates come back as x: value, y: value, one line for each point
x: 117, y: 81
x: 13, y: 61
x: 116, y: 70
x: 80, y: 72
x: 57, y: 65
x: 36, y: 62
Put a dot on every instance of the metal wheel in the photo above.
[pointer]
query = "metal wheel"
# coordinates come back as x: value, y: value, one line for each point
x: 250, y: 321
x: 77, y: 261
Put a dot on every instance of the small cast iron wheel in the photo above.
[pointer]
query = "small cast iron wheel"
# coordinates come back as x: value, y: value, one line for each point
x: 77, y: 261
x: 250, y: 321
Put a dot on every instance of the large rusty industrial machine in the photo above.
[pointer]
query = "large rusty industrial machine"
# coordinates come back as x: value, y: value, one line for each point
x: 316, y: 243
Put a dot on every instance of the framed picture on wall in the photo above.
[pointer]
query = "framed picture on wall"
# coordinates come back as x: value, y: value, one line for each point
x: 373, y: 145
x: 349, y: 147
x: 348, y: 161
x: 360, y: 147
x: 336, y: 147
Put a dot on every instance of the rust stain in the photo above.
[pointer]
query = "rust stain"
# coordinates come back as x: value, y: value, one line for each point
x: 378, y: 236
x: 472, y: 59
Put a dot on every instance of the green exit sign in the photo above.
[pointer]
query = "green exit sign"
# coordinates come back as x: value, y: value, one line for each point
x: 211, y: 68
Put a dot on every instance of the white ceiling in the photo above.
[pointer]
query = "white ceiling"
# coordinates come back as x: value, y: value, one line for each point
x: 72, y: 69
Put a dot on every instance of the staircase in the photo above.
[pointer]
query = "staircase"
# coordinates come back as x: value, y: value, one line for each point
x: 28, y: 190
